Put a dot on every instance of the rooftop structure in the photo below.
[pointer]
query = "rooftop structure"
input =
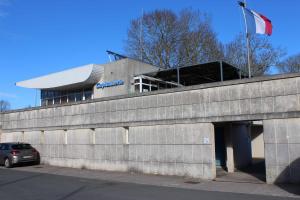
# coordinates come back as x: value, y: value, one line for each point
x: 123, y: 76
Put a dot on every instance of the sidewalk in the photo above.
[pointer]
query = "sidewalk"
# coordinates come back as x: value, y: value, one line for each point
x: 220, y: 185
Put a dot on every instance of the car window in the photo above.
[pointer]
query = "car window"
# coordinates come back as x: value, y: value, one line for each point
x: 21, y: 146
x: 4, y: 147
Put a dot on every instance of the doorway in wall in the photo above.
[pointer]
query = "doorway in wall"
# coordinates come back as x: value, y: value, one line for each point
x: 220, y: 147
x: 239, y: 151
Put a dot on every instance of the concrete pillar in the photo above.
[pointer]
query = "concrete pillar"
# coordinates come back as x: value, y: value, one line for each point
x: 229, y: 149
x: 211, y: 133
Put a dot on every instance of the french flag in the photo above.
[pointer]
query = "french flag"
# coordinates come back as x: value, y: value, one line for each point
x: 257, y: 23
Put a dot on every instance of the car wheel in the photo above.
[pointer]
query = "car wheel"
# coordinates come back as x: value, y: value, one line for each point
x: 7, y: 163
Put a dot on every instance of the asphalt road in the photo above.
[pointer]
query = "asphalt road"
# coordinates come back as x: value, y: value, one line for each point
x: 22, y: 185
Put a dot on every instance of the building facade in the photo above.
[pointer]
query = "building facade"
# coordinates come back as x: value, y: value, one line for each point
x: 88, y: 81
x: 186, y: 131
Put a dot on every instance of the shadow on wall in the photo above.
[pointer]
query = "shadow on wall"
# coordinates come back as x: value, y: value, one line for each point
x: 289, y: 178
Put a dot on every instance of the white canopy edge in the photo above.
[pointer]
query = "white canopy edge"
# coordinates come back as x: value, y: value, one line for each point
x: 79, y: 76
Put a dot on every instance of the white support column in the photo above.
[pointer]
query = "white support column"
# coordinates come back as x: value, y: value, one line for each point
x: 229, y: 149
x: 140, y: 84
x: 83, y: 95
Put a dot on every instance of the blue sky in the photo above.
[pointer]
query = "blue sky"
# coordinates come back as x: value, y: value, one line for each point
x: 38, y: 36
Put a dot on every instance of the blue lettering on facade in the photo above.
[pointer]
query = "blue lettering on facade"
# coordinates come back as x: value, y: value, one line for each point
x: 109, y: 84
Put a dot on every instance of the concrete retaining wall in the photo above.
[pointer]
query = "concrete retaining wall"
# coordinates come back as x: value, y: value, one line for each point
x: 180, y: 149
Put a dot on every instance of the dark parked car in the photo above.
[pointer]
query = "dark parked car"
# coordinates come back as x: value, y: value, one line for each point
x: 17, y: 153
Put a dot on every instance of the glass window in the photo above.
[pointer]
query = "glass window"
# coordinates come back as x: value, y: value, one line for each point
x: 57, y: 100
x: 146, y: 81
x: 71, y: 98
x: 44, y: 102
x: 78, y: 96
x: 49, y: 101
x: 50, y: 97
x: 146, y: 88
x: 4, y: 147
x: 64, y: 99
x: 153, y: 88
x: 63, y: 93
x: 88, y: 95
x: 50, y: 94
x: 21, y: 146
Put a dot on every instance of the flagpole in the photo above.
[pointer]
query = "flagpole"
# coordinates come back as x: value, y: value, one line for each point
x: 247, y: 40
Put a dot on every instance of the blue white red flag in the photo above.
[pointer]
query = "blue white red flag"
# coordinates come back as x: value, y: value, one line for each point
x: 257, y: 23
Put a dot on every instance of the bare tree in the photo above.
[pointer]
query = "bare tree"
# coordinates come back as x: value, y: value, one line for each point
x: 262, y: 54
x: 290, y: 64
x: 166, y: 39
x: 199, y: 44
x: 4, y: 105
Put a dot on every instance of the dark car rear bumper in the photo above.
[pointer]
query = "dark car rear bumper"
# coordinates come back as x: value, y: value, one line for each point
x: 19, y: 159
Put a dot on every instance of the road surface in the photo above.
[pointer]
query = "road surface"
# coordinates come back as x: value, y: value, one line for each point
x: 16, y: 185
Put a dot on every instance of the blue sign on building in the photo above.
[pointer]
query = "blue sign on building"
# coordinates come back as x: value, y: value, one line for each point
x: 109, y: 84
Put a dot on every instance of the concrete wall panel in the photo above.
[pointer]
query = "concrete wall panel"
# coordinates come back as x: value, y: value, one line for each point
x: 282, y: 150
x: 32, y: 137
x: 56, y: 137
x: 12, y: 137
x: 151, y: 149
x: 166, y: 152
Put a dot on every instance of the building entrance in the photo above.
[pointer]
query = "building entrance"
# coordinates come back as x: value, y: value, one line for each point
x: 239, y: 151
x: 220, y: 147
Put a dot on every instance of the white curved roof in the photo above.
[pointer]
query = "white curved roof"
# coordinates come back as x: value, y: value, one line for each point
x: 68, y: 79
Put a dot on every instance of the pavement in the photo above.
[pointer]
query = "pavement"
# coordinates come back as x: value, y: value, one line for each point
x: 232, y: 188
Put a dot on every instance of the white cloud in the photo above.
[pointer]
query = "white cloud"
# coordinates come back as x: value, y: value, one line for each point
x: 7, y: 95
